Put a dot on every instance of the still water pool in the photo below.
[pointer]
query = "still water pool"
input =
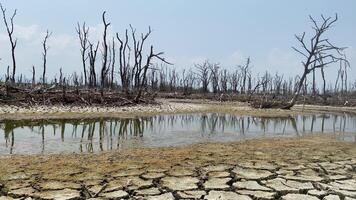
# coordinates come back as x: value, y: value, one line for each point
x: 105, y: 134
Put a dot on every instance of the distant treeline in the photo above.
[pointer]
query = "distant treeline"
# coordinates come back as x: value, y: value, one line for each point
x: 129, y: 67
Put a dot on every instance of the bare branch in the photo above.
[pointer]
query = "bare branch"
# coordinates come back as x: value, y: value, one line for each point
x: 13, y: 42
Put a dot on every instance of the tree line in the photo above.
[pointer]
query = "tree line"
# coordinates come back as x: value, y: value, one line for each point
x: 129, y: 65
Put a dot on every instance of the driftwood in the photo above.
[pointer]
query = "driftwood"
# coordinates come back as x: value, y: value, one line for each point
x: 55, y: 95
x: 270, y: 104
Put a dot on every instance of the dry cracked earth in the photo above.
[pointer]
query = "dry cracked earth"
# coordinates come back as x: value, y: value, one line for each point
x: 288, y: 169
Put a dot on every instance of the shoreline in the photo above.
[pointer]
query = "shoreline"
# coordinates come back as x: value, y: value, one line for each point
x: 163, y: 106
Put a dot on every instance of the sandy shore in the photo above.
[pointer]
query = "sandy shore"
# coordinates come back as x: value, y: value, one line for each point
x: 163, y: 106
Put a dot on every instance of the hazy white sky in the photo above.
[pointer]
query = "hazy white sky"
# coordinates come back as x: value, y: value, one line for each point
x: 224, y: 31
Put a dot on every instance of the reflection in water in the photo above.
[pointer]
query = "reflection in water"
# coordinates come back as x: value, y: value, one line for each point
x: 95, y: 135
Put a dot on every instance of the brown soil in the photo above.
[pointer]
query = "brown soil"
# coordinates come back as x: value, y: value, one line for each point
x: 325, y: 163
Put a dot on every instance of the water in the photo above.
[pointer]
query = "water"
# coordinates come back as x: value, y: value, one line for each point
x: 96, y: 135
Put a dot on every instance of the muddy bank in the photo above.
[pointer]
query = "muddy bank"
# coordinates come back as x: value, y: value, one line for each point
x: 163, y: 106
x: 306, y: 168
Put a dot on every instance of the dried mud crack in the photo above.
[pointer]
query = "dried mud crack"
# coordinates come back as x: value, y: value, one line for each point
x: 316, y: 167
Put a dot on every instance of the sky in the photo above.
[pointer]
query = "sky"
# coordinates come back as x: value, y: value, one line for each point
x: 188, y: 31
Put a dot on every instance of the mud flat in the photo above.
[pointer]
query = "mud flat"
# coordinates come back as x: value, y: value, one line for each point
x: 316, y: 167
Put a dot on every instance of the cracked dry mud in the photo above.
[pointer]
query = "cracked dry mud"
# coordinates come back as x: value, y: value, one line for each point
x: 317, y: 167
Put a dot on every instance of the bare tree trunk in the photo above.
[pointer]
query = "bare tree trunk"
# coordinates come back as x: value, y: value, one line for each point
x: 7, y: 75
x: 92, y: 58
x: 44, y: 55
x: 214, y: 74
x: 204, y: 75
x: 64, y: 90
x: 245, y: 72
x: 113, y: 63
x: 60, y: 77
x: 13, y: 42
x: 104, y: 68
x: 124, y: 58
x: 7, y: 81
x: 342, y: 81
x: 33, y: 76
x: 314, y: 85
x: 346, y: 66
x: 324, y: 83
x: 297, y: 91
x: 83, y: 38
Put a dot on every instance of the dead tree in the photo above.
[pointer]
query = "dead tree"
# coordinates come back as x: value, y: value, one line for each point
x: 154, y: 79
x: 113, y: 63
x: 244, y: 74
x: 203, y: 75
x: 76, y: 83
x: 342, y: 74
x: 104, y: 68
x: 44, y: 55
x: 33, y: 76
x: 83, y: 32
x: 173, y: 77
x: 318, y: 54
x: 277, y: 82
x: 138, y: 67
x: 255, y: 89
x: 313, y: 85
x: 346, y: 66
x: 142, y: 68
x: 163, y: 82
x: 92, y: 58
x: 265, y: 81
x: 249, y: 83
x: 64, y: 89
x: 60, y: 77
x: 234, y: 80
x: 135, y: 76
x: 214, y: 73
x: 20, y: 79
x: 124, y: 62
x: 8, y: 76
x: 13, y: 41
x: 187, y: 82
x: 339, y: 71
x: 324, y: 83
x: 107, y: 78
x: 224, y: 77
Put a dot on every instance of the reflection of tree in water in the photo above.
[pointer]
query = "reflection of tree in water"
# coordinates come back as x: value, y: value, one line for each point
x: 334, y: 122
x: 276, y: 123
x: 87, y: 130
x: 217, y: 123
x: 9, y: 135
x: 312, y: 123
x: 108, y: 134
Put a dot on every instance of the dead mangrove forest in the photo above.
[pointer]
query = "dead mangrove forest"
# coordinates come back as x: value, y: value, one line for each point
x: 126, y: 69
